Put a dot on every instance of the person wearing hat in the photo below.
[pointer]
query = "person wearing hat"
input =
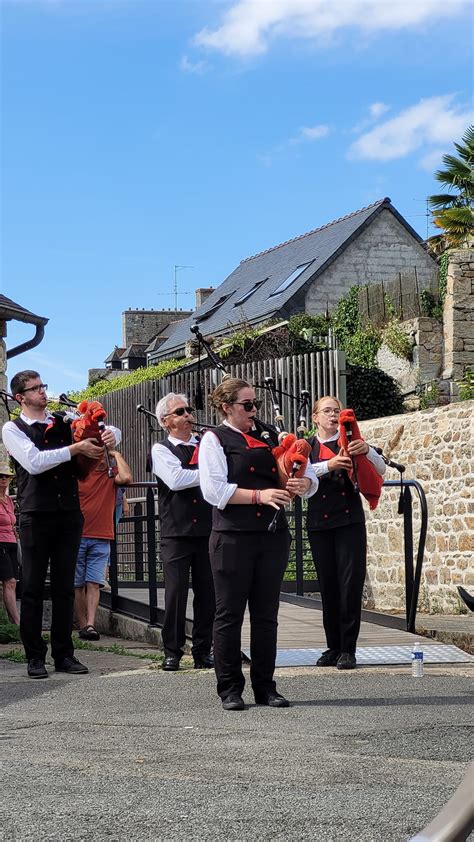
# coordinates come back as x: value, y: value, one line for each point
x: 8, y: 546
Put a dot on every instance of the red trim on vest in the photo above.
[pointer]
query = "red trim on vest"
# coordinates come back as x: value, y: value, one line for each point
x: 251, y: 442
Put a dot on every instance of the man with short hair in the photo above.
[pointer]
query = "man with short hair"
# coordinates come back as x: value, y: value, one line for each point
x: 43, y: 454
x: 185, y: 524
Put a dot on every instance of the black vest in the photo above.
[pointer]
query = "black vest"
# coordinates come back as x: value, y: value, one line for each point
x: 183, y: 514
x: 54, y: 489
x: 248, y: 467
x: 335, y: 503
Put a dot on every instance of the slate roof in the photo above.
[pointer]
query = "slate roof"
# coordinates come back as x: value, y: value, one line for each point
x: 136, y: 349
x: 266, y: 271
x: 11, y: 310
x: 116, y: 354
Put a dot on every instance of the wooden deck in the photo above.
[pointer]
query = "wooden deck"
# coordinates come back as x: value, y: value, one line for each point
x: 299, y: 628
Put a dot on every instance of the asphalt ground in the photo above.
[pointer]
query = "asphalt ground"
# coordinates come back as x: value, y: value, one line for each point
x: 129, y: 752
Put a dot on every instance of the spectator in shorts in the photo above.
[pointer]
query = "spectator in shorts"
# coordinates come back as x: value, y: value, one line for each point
x: 97, y: 495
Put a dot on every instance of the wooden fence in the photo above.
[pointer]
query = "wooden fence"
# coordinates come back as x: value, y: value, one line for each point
x: 402, y: 297
x: 321, y: 373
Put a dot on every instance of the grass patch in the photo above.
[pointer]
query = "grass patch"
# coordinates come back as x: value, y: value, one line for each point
x: 15, y: 655
x: 9, y: 633
x: 115, y: 649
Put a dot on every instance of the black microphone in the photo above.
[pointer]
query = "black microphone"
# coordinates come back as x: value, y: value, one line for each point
x: 390, y: 462
x: 141, y: 408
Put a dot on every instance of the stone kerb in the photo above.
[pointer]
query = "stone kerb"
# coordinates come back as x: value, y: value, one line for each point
x: 436, y: 446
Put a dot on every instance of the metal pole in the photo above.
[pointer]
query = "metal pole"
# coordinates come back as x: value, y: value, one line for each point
x: 113, y: 573
x: 408, y: 548
x: 151, y: 541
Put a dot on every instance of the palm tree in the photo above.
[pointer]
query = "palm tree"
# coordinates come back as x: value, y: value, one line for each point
x: 453, y: 212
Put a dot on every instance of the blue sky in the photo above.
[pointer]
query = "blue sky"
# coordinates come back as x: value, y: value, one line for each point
x: 139, y: 134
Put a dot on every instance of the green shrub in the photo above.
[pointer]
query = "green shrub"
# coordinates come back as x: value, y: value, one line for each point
x: 396, y: 340
x: 372, y: 394
x: 8, y: 632
x: 466, y: 385
x: 101, y: 387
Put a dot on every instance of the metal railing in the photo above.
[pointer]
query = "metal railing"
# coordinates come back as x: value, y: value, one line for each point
x: 135, y: 559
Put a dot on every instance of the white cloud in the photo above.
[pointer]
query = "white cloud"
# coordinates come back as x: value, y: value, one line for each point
x: 46, y: 363
x: 377, y: 109
x: 192, y: 67
x: 249, y: 26
x: 430, y: 122
x: 314, y: 132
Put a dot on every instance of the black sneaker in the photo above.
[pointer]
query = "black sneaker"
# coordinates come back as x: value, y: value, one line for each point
x: 71, y: 665
x: 36, y: 668
x: 328, y: 658
x: 233, y: 702
x: 346, y: 661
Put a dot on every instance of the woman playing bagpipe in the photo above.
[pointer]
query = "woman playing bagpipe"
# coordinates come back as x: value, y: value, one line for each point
x: 346, y: 467
x: 240, y: 478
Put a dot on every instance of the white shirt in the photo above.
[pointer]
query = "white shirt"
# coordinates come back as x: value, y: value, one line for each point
x: 25, y: 452
x: 168, y: 468
x: 213, y: 471
x: 321, y: 468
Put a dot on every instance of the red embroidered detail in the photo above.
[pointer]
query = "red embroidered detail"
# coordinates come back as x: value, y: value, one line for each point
x: 251, y: 442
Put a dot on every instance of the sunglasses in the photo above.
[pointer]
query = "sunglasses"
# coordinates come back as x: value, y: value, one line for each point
x: 249, y: 405
x: 5, y: 476
x: 180, y: 411
x: 41, y: 387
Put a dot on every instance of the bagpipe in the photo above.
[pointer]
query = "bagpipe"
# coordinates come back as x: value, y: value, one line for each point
x: 87, y: 420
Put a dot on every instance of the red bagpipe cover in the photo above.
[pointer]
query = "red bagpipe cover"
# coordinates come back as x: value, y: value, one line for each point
x: 87, y: 426
x: 369, y: 480
x: 290, y: 452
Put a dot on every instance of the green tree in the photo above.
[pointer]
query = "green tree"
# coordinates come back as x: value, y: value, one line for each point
x: 453, y: 211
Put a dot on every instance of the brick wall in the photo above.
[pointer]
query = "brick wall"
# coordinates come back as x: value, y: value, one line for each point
x: 437, y: 448
x: 378, y: 254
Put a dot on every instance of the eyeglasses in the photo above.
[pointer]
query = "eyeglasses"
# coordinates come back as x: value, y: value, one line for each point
x: 41, y: 387
x: 329, y: 411
x: 180, y: 411
x: 249, y: 405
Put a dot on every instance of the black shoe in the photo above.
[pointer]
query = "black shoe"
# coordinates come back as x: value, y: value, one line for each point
x: 204, y: 662
x: 36, y: 668
x: 72, y: 666
x: 233, y: 702
x: 346, y: 661
x: 272, y: 698
x: 328, y: 658
x: 171, y: 663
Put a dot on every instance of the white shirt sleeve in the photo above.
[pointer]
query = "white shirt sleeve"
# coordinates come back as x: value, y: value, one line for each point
x: 27, y: 454
x: 310, y: 474
x: 213, y: 472
x: 168, y: 468
x: 377, y: 461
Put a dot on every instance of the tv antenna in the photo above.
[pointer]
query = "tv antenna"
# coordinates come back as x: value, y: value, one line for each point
x: 178, y: 268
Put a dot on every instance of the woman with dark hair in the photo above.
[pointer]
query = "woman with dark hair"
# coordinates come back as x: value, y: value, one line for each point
x: 239, y: 477
x: 337, y: 534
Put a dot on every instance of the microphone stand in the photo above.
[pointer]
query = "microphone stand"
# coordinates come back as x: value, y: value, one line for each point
x: 150, y: 417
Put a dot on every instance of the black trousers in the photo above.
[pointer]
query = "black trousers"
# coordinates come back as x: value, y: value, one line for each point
x: 340, y: 559
x: 180, y: 556
x: 247, y: 567
x: 52, y: 537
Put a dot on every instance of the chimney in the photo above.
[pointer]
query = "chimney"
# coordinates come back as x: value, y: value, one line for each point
x: 202, y: 294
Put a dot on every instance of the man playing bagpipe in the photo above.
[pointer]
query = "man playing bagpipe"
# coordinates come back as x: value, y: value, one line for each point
x: 45, y: 456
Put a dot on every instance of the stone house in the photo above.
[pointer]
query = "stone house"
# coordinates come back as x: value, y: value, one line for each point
x: 309, y: 273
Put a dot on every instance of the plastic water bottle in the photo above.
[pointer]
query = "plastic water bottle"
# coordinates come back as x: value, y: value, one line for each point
x: 417, y: 661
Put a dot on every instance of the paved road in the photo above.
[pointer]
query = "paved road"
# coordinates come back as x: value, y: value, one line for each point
x: 132, y: 753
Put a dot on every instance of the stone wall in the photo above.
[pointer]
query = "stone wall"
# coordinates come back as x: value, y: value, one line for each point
x: 426, y: 336
x: 379, y: 253
x: 142, y: 325
x: 458, y: 317
x: 437, y: 448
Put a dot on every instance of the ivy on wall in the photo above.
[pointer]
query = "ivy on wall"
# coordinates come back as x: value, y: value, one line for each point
x: 140, y: 375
